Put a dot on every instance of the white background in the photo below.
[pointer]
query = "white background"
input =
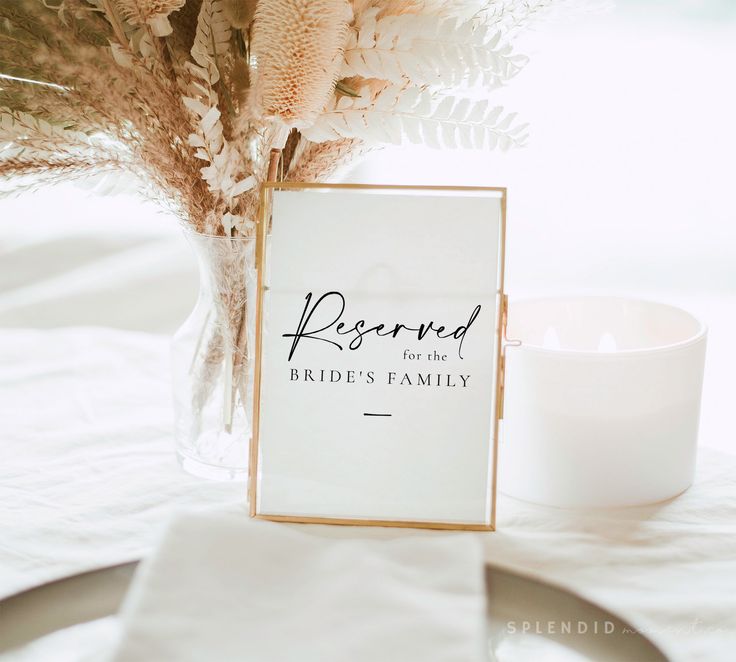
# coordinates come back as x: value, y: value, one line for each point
x: 627, y: 186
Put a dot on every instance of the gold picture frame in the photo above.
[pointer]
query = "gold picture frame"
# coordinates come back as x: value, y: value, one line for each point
x: 501, y: 312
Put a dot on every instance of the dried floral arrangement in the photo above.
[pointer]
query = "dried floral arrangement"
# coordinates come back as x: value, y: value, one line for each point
x: 203, y: 100
x: 192, y: 96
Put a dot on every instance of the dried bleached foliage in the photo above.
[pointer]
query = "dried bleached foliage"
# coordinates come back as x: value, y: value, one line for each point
x: 192, y: 95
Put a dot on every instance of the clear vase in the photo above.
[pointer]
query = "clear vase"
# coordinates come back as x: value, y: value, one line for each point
x: 213, y: 357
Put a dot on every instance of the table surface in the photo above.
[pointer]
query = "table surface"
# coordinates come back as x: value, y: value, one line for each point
x: 88, y: 478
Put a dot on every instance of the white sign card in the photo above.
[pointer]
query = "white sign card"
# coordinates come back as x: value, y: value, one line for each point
x: 378, y: 350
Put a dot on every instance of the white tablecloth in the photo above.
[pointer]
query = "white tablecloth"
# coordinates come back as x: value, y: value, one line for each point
x: 88, y: 476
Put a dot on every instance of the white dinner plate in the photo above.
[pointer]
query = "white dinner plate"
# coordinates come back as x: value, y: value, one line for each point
x: 74, y: 619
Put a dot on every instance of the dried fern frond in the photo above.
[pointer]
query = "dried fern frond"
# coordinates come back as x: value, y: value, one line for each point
x: 297, y: 46
x: 418, y: 116
x: 428, y: 50
x: 514, y: 16
x: 223, y: 171
x: 212, y: 38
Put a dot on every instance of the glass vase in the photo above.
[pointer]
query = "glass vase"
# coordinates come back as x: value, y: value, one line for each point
x: 213, y: 357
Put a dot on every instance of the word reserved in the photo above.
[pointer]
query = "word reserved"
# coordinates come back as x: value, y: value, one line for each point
x: 332, y: 331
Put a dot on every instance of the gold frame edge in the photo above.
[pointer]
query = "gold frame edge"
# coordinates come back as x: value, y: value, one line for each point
x: 264, y: 217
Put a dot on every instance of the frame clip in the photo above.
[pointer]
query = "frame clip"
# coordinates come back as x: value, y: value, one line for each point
x: 505, y: 343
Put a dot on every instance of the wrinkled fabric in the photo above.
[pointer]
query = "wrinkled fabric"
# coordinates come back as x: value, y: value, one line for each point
x: 263, y: 591
x: 88, y: 478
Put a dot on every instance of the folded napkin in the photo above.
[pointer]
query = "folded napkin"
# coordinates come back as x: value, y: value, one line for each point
x: 221, y: 589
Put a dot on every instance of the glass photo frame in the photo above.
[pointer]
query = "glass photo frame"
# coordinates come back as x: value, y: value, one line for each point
x: 378, y: 355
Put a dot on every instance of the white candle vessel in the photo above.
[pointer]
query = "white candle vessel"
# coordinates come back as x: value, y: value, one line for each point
x: 602, y: 401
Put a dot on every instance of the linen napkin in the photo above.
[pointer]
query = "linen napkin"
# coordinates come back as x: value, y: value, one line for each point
x: 223, y: 588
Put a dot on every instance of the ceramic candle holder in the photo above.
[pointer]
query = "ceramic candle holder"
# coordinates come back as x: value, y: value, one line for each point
x: 602, y: 401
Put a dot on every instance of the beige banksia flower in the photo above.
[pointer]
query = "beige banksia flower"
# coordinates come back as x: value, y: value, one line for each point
x: 153, y: 12
x: 297, y: 46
